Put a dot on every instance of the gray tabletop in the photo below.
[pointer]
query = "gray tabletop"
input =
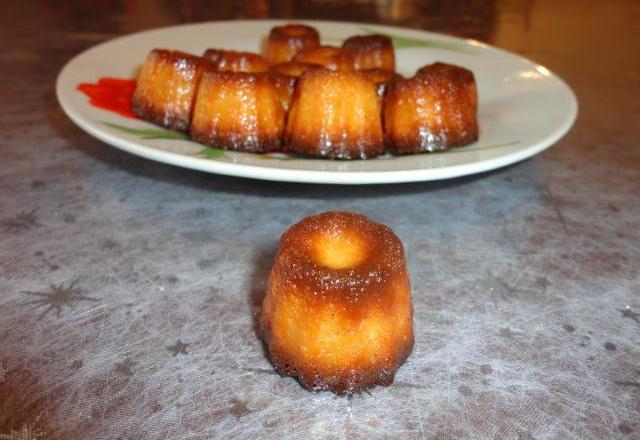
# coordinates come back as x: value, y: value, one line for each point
x: 129, y: 289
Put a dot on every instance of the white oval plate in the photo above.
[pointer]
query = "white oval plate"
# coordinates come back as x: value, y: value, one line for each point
x: 523, y: 107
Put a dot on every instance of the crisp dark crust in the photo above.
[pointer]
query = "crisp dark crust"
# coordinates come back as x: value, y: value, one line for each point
x: 238, y: 111
x: 285, y: 42
x: 369, y: 52
x: 342, y: 381
x: 384, y: 257
x: 235, y: 61
x: 166, y: 88
x: 434, y: 110
x: 335, y: 114
x: 345, y: 328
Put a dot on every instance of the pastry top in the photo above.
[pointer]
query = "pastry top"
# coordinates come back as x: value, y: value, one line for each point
x: 294, y: 68
x: 286, y: 41
x: 236, y: 61
x: 342, y: 256
x: 369, y: 52
x: 326, y: 56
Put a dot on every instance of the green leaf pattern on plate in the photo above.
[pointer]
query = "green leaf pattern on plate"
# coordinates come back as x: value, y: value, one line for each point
x: 219, y: 153
x: 212, y: 153
x: 406, y: 42
x: 147, y: 133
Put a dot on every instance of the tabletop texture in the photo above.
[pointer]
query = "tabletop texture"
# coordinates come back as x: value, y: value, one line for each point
x: 129, y: 289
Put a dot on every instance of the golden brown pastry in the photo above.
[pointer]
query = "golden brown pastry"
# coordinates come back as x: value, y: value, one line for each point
x: 285, y: 87
x: 369, y: 52
x: 285, y: 78
x: 166, y: 88
x: 337, y: 313
x: 236, y: 61
x: 285, y: 42
x: 238, y: 111
x: 335, y: 114
x: 381, y: 78
x: 434, y: 110
x: 449, y: 70
x: 294, y: 68
x: 329, y: 57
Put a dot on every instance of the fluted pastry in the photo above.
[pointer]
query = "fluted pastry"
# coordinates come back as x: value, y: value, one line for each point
x: 284, y: 42
x: 335, y: 114
x: 434, y: 110
x: 337, y: 313
x: 238, y: 111
x: 369, y: 52
x: 166, y: 88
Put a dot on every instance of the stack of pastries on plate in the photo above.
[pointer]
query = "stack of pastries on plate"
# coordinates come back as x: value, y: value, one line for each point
x: 301, y: 97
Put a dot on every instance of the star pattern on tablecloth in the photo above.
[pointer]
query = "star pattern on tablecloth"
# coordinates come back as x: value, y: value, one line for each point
x: 23, y: 221
x: 125, y: 367
x: 628, y: 313
x: 239, y: 408
x: 58, y: 296
x: 178, y: 348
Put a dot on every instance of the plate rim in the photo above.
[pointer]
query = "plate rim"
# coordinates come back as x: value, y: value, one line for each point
x: 315, y: 176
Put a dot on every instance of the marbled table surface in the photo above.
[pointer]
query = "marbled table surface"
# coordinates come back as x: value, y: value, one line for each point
x: 128, y: 288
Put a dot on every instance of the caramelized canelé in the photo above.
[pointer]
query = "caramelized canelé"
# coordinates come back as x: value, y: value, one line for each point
x: 335, y: 115
x: 381, y: 78
x: 337, y: 313
x: 238, y: 111
x: 285, y: 78
x: 285, y: 87
x: 235, y: 61
x: 329, y: 57
x: 434, y: 110
x: 294, y: 68
x: 166, y: 88
x: 369, y: 52
x: 285, y: 42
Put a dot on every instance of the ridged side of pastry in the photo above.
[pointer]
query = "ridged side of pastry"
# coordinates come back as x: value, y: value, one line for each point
x: 166, y: 88
x: 335, y: 115
x: 337, y: 313
x: 238, y: 111
x: 369, y: 52
x: 434, y: 110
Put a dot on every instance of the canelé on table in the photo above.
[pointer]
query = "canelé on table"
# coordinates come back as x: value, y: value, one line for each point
x: 301, y: 97
x: 337, y: 313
